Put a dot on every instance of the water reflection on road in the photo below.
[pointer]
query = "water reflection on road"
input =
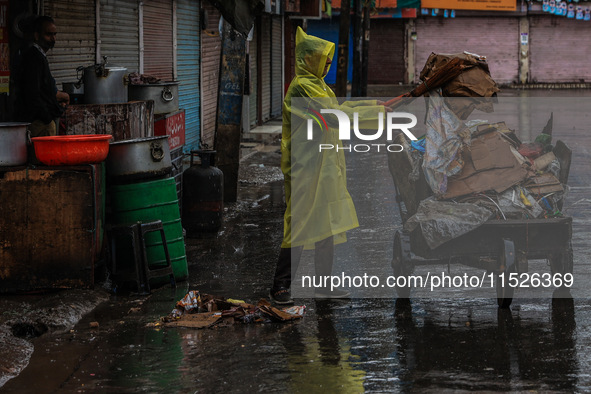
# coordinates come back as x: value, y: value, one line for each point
x: 354, y: 346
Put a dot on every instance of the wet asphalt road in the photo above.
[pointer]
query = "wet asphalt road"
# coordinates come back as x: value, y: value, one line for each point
x: 363, y: 344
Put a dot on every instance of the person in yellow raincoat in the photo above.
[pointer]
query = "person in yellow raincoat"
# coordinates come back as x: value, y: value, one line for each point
x: 319, y: 208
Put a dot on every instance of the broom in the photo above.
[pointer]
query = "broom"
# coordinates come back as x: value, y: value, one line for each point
x: 440, y: 77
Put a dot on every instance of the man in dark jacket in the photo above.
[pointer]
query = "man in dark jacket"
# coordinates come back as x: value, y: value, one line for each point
x: 38, y: 100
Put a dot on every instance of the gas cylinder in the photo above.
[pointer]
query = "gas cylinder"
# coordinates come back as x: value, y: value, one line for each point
x: 203, y: 195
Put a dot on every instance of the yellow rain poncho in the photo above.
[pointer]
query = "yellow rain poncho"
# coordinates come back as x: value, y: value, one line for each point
x: 318, y: 203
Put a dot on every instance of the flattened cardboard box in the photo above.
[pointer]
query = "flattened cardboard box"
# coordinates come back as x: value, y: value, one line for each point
x: 489, y: 165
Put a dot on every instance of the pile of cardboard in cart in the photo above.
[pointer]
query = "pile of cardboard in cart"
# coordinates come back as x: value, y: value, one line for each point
x: 478, y: 171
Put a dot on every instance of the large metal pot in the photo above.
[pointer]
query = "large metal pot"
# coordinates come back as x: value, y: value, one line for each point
x: 164, y: 94
x: 142, y: 158
x: 105, y: 84
x: 13, y: 144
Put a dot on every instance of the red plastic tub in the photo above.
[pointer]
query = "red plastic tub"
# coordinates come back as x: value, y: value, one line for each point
x: 70, y: 150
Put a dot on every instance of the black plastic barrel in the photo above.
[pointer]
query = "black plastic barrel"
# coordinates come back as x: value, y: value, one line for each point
x: 203, y: 195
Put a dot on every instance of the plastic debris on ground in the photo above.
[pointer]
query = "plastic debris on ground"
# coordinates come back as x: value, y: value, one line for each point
x: 200, y: 310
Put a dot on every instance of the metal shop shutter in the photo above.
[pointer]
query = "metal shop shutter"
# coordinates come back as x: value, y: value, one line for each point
x: 386, y: 63
x: 495, y: 38
x: 188, y: 32
x: 75, y: 45
x: 559, y: 49
x: 253, y: 79
x: 119, y: 33
x: 265, y: 67
x: 158, y: 45
x: 211, y: 46
x: 276, y: 66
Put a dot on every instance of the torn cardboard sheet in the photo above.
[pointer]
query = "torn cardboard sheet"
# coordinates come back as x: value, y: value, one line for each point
x: 489, y: 165
x: 196, y: 320
x: 543, y: 184
x: 474, y: 82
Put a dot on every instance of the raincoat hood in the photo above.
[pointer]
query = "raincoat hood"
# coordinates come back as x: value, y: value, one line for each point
x: 311, y: 54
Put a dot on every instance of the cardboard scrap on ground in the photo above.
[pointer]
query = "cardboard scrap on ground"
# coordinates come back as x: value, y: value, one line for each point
x: 197, y: 310
x: 195, y: 320
x: 285, y: 314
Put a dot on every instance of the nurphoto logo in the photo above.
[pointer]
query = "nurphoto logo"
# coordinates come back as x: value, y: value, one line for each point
x: 392, y: 124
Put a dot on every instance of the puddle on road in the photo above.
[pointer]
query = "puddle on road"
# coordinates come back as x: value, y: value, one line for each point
x: 353, y: 346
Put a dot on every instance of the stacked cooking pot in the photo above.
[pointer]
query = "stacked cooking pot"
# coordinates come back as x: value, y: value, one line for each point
x: 166, y: 104
x: 106, y: 83
x: 164, y: 94
x: 102, y: 83
x: 141, y: 189
x: 139, y: 159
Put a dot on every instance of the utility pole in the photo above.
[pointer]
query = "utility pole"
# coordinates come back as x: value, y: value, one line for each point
x: 365, y: 55
x: 229, y: 112
x: 357, y: 41
x: 343, y: 49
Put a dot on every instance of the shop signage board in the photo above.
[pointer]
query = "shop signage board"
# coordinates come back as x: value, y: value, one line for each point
x: 172, y: 125
x: 482, y: 5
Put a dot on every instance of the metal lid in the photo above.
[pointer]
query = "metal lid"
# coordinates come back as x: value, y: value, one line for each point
x: 139, y: 140
x: 155, y: 84
x: 115, y: 68
x: 107, y: 67
x: 13, y: 124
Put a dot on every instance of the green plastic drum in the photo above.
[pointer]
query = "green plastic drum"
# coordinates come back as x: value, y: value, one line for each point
x: 150, y: 201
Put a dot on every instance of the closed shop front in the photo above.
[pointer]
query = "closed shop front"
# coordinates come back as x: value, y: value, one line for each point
x: 269, y: 46
x: 497, y: 38
x: 253, y: 99
x: 75, y: 43
x: 559, y: 49
x: 119, y: 33
x: 276, y: 66
x: 188, y: 50
x: 265, y: 67
x: 386, y: 63
x: 158, y: 39
x: 211, y: 46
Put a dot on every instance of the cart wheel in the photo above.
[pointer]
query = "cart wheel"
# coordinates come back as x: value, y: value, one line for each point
x: 506, y: 266
x: 401, y: 263
x: 562, y: 263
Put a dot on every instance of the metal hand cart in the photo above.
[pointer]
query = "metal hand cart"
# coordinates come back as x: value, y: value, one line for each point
x: 498, y: 246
